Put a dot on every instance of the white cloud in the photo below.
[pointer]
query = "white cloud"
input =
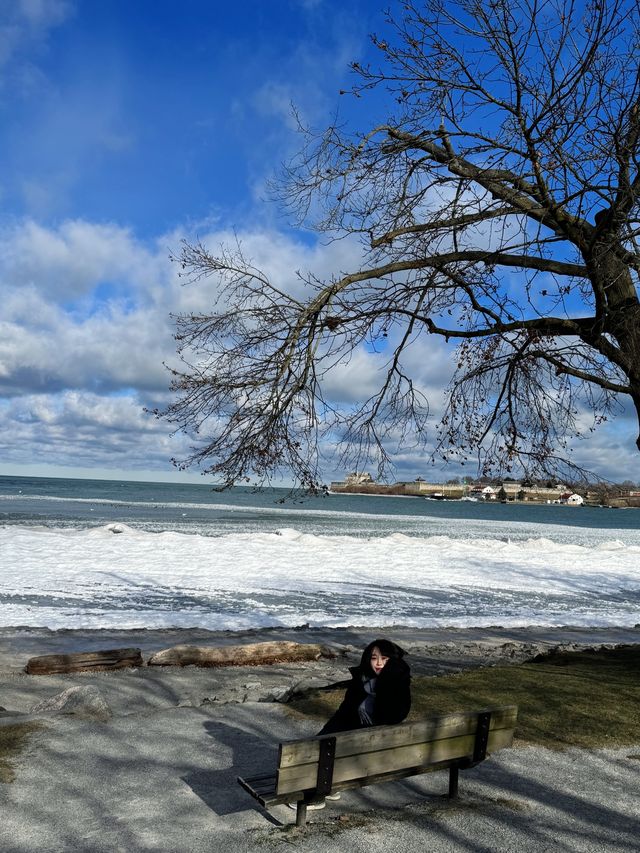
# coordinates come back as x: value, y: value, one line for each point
x: 110, y: 350
x: 74, y: 258
x: 427, y: 360
x: 83, y: 429
x: 276, y: 99
x: 609, y: 454
x: 361, y: 371
x: 84, y: 307
x: 85, y: 328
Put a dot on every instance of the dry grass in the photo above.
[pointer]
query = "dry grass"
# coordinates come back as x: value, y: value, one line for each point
x: 13, y: 739
x: 586, y: 699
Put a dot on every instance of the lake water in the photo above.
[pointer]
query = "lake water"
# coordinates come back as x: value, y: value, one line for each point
x: 186, y: 556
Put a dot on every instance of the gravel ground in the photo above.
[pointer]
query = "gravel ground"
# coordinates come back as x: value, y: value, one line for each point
x: 160, y: 775
x: 166, y: 780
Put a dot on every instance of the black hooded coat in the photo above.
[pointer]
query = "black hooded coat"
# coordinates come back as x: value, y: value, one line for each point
x: 392, y: 691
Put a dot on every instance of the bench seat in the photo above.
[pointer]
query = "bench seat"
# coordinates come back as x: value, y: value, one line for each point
x: 308, y: 769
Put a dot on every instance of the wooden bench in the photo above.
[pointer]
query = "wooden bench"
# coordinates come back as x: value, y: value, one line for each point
x: 310, y: 769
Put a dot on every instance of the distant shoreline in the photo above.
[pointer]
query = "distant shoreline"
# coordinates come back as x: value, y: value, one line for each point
x: 372, y: 494
x: 425, y: 497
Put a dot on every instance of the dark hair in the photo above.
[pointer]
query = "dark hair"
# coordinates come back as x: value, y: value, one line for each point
x: 387, y: 648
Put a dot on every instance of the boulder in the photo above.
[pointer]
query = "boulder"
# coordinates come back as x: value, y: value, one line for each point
x: 85, y: 702
x: 240, y: 694
x: 314, y: 683
x: 247, y: 655
x: 278, y: 693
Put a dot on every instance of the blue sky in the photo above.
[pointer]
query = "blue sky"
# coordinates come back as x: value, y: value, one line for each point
x: 152, y: 113
x: 126, y: 125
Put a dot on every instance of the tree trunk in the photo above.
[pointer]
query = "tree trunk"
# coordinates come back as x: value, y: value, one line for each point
x: 250, y: 654
x: 617, y: 313
x: 83, y: 661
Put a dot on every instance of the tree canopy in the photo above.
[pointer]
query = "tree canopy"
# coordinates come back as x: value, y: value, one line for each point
x: 497, y: 208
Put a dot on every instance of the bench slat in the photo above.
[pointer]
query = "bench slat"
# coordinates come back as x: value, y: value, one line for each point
x: 267, y: 795
x: 384, y: 761
x: 257, y: 779
x: 259, y: 788
x: 263, y: 788
x: 294, y: 753
x: 391, y: 776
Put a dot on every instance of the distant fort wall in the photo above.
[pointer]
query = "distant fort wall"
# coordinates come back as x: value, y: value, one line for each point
x: 363, y: 483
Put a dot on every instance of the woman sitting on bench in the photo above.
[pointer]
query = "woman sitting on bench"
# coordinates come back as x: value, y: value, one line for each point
x: 379, y: 694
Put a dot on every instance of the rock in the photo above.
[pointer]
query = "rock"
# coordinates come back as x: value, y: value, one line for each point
x: 262, y: 691
x: 85, y: 702
x: 307, y: 685
x: 230, y: 696
x: 246, y: 655
x: 281, y: 693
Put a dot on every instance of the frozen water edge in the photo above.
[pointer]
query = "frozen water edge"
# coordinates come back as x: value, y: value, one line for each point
x: 94, y: 579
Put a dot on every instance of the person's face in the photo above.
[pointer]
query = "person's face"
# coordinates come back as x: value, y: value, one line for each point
x: 378, y: 660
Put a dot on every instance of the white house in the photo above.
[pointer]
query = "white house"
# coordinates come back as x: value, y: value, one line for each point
x: 487, y: 493
x: 575, y: 500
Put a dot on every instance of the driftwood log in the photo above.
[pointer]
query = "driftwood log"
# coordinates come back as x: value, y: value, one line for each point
x: 246, y: 655
x: 82, y: 661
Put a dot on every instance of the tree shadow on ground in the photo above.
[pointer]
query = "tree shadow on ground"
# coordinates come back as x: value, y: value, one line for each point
x: 251, y: 755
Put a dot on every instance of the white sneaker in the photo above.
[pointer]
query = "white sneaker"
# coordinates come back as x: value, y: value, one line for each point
x: 310, y: 806
x: 332, y: 796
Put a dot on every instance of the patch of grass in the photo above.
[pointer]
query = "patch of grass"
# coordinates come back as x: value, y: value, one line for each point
x: 586, y: 699
x: 13, y: 739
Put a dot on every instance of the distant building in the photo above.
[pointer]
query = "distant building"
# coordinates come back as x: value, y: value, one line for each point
x: 487, y: 493
x: 358, y: 478
x: 575, y: 500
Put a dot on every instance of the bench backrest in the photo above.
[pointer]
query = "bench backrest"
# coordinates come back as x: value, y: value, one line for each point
x: 383, y: 750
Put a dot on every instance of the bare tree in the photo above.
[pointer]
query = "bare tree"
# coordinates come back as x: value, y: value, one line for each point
x: 497, y: 208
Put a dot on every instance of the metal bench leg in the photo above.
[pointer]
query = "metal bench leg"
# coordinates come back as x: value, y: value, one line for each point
x: 301, y: 813
x: 453, y: 781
